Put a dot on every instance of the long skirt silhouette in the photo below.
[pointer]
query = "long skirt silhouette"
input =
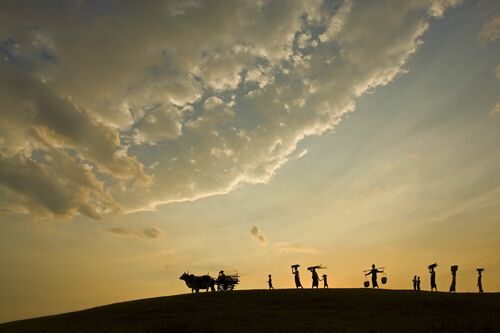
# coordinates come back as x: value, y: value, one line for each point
x: 433, y: 281
x: 453, y: 285
x: 297, y: 281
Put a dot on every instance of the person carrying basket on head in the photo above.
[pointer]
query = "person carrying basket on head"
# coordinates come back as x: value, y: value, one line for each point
x: 295, y: 272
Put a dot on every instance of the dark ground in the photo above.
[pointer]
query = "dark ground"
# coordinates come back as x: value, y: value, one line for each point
x: 333, y: 310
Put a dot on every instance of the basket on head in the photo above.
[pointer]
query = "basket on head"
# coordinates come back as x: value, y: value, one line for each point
x: 383, y: 279
x: 434, y: 265
x: 454, y: 268
x: 480, y: 269
x: 366, y: 284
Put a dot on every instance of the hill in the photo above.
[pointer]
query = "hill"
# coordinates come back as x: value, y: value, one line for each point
x: 332, y: 310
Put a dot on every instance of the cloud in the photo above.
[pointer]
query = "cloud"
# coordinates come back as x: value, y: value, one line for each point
x: 438, y: 8
x: 490, y: 31
x: 214, y: 94
x: 257, y: 234
x: 281, y: 247
x: 496, y: 110
x: 284, y: 247
x: 302, y: 153
x: 149, y: 233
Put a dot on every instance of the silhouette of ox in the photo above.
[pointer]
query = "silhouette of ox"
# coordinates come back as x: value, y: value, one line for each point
x: 198, y: 282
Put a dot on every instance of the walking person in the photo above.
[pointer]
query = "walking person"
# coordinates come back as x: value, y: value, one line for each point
x: 374, y: 271
x: 415, y: 283
x: 315, y: 277
x: 479, y: 280
x: 295, y: 272
x: 418, y: 283
x: 270, y: 282
x: 325, y: 281
x: 433, y: 277
x: 453, y: 286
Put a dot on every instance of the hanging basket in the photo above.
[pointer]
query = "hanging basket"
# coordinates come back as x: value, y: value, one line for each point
x: 383, y: 279
x: 366, y: 284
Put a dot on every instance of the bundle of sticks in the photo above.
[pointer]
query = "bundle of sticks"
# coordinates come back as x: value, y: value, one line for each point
x: 316, y: 267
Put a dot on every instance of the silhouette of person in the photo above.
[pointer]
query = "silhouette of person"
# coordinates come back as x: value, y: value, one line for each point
x: 221, y: 279
x: 325, y: 281
x: 374, y: 273
x: 453, y: 279
x: 315, y: 278
x: 433, y: 279
x: 270, y: 282
x: 418, y: 283
x: 297, y: 278
x: 479, y: 280
x: 453, y: 282
x: 415, y: 282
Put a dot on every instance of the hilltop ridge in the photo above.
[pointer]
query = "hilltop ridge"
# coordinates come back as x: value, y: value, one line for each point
x: 285, y: 310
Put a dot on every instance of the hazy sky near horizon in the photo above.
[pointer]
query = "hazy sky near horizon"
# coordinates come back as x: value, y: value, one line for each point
x: 142, y: 140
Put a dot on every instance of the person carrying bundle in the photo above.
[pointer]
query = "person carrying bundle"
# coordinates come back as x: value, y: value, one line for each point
x: 315, y: 276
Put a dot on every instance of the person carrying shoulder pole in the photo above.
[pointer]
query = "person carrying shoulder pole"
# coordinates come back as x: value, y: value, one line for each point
x: 374, y: 271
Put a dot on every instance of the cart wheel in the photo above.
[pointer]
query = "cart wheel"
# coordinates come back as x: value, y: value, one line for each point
x: 231, y: 286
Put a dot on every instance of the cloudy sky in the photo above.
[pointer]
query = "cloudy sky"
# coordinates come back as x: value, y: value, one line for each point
x: 140, y: 140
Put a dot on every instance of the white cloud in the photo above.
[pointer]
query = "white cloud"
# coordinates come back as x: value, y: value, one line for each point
x: 221, y: 92
x: 438, y: 7
x: 302, y: 153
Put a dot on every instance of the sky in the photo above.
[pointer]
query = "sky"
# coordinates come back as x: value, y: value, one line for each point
x: 140, y: 140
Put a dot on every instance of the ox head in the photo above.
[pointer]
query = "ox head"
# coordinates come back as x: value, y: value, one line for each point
x: 184, y: 276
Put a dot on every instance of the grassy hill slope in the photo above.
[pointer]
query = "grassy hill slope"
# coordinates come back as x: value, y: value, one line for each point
x: 333, y: 310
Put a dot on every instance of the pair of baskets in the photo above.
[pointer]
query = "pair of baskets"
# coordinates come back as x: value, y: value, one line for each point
x: 383, y: 280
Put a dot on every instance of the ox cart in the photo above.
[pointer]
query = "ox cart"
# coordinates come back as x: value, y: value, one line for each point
x: 223, y: 282
x: 227, y: 282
